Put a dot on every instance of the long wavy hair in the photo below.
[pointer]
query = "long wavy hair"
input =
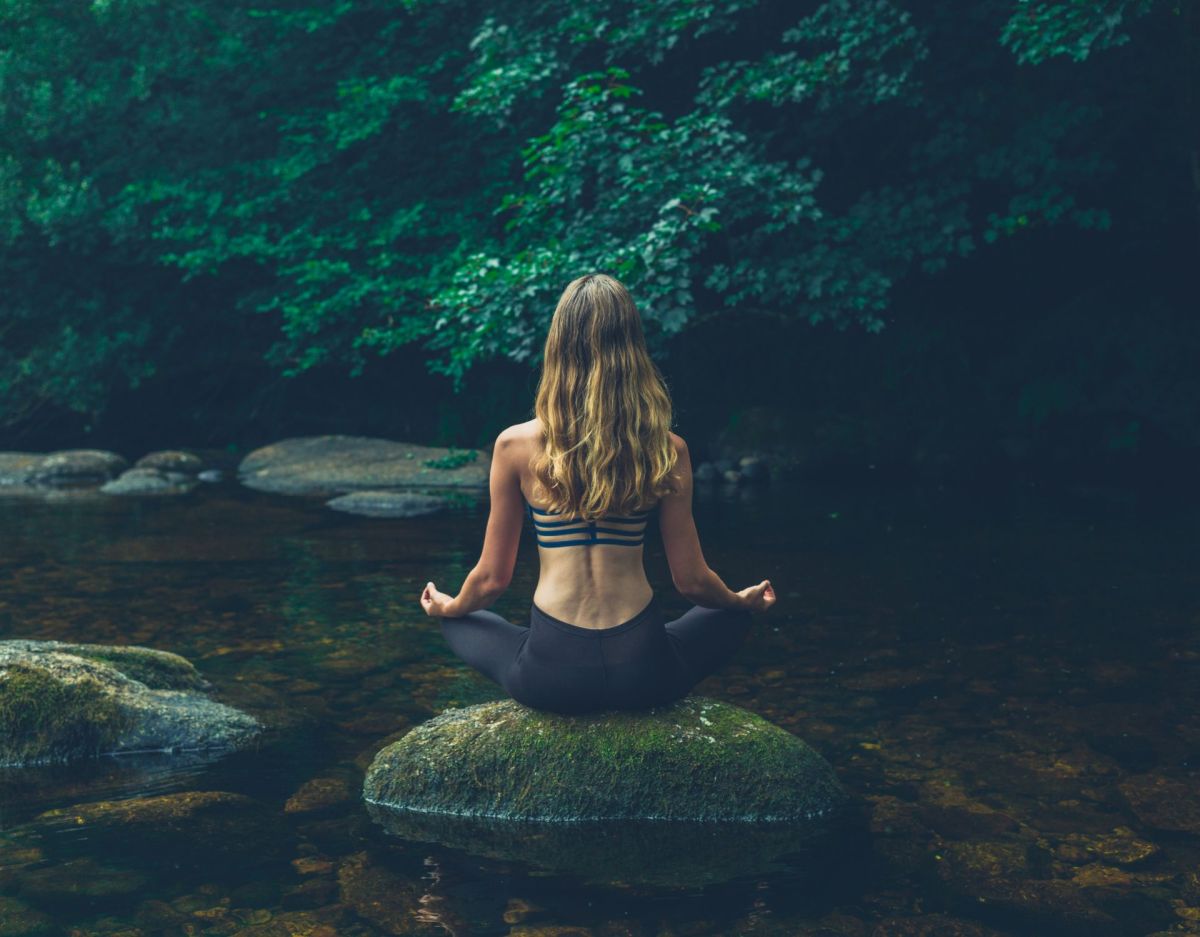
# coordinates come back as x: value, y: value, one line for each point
x: 604, y: 407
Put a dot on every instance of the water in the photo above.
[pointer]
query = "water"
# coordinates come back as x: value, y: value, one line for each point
x: 1007, y: 680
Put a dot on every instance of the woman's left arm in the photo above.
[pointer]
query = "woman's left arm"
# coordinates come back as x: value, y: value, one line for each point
x: 492, y: 574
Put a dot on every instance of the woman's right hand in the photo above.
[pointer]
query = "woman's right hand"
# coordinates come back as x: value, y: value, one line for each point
x: 757, y: 598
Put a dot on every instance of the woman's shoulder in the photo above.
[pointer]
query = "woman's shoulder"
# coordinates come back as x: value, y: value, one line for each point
x: 529, y: 434
x: 519, y: 432
x: 517, y: 443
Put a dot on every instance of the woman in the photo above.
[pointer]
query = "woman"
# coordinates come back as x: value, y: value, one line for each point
x: 589, y: 470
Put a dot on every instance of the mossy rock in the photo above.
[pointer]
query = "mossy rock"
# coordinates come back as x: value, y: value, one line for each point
x: 60, y: 702
x: 695, y: 759
x: 141, y: 835
x: 334, y: 465
x: 159, y: 670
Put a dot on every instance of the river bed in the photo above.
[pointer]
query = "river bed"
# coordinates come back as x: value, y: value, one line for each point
x: 1007, y: 679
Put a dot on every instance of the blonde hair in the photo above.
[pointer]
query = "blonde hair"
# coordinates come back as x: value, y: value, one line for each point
x: 604, y: 407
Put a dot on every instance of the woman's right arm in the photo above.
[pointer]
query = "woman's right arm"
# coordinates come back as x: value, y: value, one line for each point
x: 689, y: 572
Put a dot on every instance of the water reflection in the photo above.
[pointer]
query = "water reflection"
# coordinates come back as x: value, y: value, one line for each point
x: 663, y: 854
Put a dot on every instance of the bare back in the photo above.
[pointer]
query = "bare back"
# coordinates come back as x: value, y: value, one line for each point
x: 594, y: 586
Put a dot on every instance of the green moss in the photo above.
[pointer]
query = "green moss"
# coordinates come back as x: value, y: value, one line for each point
x: 17, y: 919
x: 159, y: 670
x: 45, y: 719
x: 453, y: 459
x: 696, y: 759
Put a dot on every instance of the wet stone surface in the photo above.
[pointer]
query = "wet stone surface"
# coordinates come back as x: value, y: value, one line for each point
x: 697, y: 759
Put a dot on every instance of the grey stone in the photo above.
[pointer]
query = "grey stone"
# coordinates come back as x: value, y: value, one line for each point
x: 696, y: 759
x: 61, y: 702
x: 76, y: 466
x: 332, y: 465
x: 16, y: 467
x: 387, y: 503
x: 148, y: 481
x: 171, y: 460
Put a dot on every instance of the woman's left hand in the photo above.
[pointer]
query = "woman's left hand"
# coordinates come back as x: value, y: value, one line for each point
x: 435, y: 603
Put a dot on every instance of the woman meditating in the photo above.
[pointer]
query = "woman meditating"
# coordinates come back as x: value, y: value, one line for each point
x: 592, y: 468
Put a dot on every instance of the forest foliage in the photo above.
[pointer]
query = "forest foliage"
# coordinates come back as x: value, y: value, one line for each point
x: 356, y: 177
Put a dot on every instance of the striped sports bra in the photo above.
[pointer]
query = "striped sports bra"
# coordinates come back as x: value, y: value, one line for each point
x: 625, y: 530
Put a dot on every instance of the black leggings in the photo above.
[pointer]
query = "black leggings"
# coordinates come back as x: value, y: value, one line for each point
x: 560, y: 667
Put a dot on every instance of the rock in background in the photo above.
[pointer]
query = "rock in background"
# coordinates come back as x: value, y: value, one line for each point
x: 82, y: 471
x: 175, y: 461
x: 149, y: 481
x: 37, y: 472
x: 76, y: 466
x: 331, y: 465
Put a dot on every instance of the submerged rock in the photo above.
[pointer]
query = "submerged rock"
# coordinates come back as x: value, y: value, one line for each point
x: 1003, y: 875
x: 1162, y: 802
x: 17, y: 919
x: 1121, y: 847
x: 60, y: 702
x: 335, y: 464
x: 320, y: 794
x: 387, y: 503
x: 149, y: 481
x: 80, y: 879
x: 148, y: 833
x: 180, y: 814
x: 696, y: 759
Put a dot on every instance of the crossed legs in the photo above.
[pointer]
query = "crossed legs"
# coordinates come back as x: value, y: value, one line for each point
x: 702, y: 639
x: 485, y: 640
x: 705, y: 638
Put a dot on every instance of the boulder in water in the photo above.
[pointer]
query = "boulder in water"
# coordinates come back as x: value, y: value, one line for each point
x: 77, y: 466
x: 61, y: 702
x: 696, y: 759
x: 149, y: 481
x: 330, y: 465
x: 171, y: 460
